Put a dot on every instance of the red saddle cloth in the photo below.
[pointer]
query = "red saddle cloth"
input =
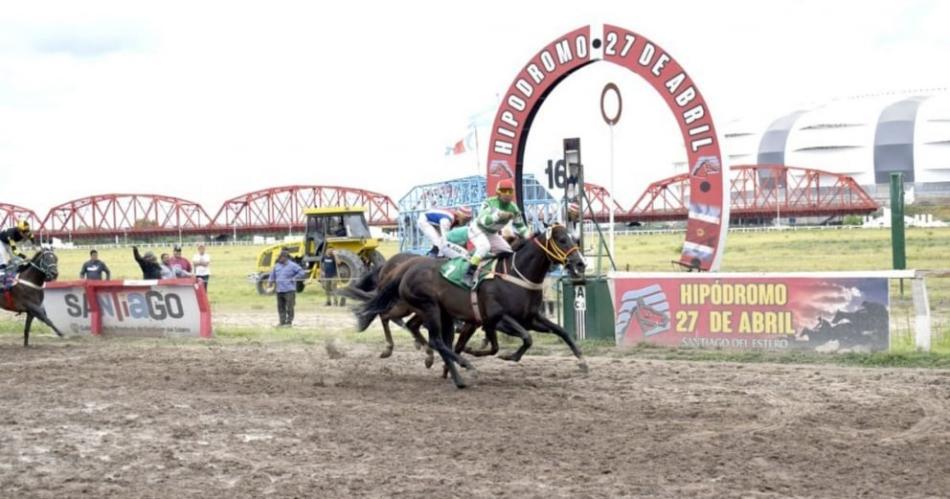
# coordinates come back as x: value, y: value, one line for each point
x: 7, y: 301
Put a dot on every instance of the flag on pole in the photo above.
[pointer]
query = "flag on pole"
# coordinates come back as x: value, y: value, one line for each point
x: 469, y: 143
x: 466, y: 144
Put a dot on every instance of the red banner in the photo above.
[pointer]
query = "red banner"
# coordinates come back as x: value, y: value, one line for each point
x: 816, y: 313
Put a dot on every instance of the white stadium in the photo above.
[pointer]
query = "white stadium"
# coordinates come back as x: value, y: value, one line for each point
x: 865, y: 137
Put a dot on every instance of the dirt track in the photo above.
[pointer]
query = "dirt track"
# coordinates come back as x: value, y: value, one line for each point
x: 144, y: 419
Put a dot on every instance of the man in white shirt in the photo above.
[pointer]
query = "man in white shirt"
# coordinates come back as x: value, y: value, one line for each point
x: 202, y: 264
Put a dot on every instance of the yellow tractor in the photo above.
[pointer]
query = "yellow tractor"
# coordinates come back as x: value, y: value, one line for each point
x: 343, y: 229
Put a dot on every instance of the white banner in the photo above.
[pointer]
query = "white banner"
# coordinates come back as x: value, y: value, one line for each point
x: 175, y: 307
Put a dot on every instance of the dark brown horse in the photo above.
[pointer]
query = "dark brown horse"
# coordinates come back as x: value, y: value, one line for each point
x: 365, y: 289
x: 511, y: 300
x: 27, y: 294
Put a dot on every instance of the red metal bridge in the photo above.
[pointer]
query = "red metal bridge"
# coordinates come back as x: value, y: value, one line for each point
x: 148, y: 215
x: 125, y: 214
x: 281, y: 208
x: 759, y: 191
x: 10, y: 214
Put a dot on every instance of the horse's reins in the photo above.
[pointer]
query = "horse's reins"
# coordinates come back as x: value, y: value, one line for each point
x: 555, y: 253
x: 29, y: 284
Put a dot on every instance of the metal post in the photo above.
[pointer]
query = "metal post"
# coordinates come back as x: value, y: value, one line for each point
x: 610, y: 195
x: 897, y: 221
x: 611, y: 121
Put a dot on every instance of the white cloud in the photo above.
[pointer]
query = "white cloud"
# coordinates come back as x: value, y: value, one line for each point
x: 208, y: 100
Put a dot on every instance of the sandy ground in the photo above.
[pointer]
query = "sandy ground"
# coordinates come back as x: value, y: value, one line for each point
x: 101, y: 418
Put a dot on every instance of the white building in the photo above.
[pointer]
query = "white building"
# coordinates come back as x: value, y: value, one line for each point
x: 866, y: 137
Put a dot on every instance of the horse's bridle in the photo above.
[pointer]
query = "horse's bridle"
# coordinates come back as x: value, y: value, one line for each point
x: 551, y: 248
x: 554, y: 252
x: 48, y: 269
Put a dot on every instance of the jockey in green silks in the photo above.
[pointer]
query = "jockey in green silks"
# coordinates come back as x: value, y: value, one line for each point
x: 484, y: 231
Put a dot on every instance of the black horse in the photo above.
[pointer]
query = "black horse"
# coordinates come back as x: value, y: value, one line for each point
x: 511, y: 300
x: 27, y: 294
x: 365, y: 289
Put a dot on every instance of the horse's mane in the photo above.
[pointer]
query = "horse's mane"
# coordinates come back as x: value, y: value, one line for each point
x: 40, y: 251
x: 520, y: 242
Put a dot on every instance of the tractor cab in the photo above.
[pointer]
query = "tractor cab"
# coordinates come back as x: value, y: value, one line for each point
x: 336, y: 225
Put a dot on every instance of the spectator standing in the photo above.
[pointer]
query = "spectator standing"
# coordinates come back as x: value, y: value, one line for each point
x: 151, y: 269
x: 177, y: 260
x: 94, y: 268
x: 284, y: 276
x: 170, y: 269
x: 202, y: 265
x: 329, y: 277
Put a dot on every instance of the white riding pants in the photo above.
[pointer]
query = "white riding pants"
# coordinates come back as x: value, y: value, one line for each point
x: 486, y: 243
x: 429, y: 231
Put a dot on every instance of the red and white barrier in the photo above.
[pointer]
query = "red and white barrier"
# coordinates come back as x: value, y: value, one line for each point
x: 168, y: 307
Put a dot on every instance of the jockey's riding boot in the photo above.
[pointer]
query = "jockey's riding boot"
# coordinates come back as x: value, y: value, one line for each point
x: 469, y: 277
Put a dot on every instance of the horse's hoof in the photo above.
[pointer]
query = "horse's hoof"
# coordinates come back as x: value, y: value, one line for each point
x: 509, y: 357
x: 583, y: 367
x: 445, y: 373
x: 460, y: 384
x: 429, y: 362
x: 386, y: 354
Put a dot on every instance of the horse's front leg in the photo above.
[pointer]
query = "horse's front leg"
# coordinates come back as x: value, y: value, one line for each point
x: 511, y: 327
x: 543, y: 324
x: 26, y: 329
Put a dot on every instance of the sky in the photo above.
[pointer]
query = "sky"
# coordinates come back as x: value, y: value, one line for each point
x: 209, y: 100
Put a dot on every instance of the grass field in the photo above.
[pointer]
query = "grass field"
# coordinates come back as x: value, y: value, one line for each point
x: 802, y: 250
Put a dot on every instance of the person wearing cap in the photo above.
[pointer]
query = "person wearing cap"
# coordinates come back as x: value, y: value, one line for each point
x: 284, y: 276
x: 94, y: 268
x: 9, y: 239
x: 202, y: 262
x: 170, y: 270
x: 496, y: 213
x: 435, y: 224
x: 151, y: 269
x: 176, y: 260
x: 329, y: 276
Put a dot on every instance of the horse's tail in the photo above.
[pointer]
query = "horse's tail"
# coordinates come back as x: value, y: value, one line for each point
x: 363, y: 289
x: 384, y: 300
x: 354, y: 293
x: 369, y: 281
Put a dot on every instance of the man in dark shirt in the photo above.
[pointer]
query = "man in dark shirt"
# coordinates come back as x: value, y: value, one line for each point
x: 151, y: 269
x: 94, y: 268
x: 328, y: 276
